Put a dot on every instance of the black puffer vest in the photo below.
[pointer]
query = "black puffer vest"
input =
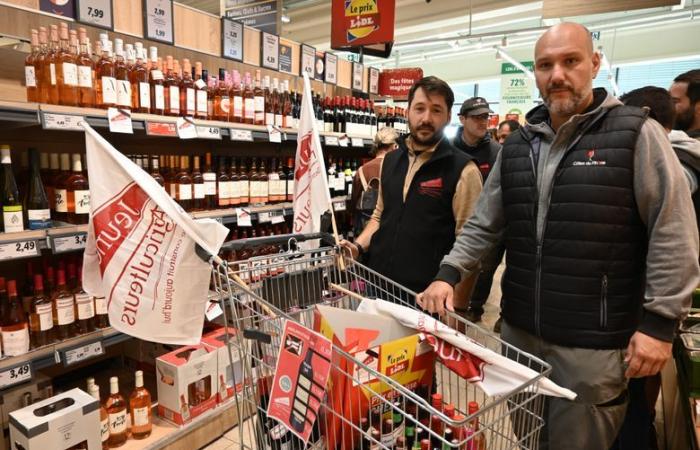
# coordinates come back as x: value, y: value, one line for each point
x: 583, y: 284
x: 414, y: 235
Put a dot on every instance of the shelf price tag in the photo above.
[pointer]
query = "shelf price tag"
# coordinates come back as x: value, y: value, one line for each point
x: 243, y: 218
x: 78, y: 354
x: 120, y: 120
x: 358, y: 142
x: 331, y: 141
x: 343, y: 141
x: 208, y: 132
x: 186, y: 129
x: 69, y: 243
x: 15, y: 375
x: 159, y: 20
x: 271, y: 216
x: 339, y: 205
x: 241, y: 135
x: 161, y: 129
x: 65, y: 122
x: 19, y: 249
x: 97, y: 13
x: 275, y: 134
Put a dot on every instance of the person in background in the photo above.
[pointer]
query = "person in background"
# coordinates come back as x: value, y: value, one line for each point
x: 505, y: 128
x: 427, y: 191
x: 601, y: 243
x: 685, y: 92
x: 365, y: 186
x: 473, y: 138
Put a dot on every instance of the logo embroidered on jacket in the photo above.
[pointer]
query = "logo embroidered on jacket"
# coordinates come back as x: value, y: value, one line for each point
x: 590, y: 154
x: 431, y: 188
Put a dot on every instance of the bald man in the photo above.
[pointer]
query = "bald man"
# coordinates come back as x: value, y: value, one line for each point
x: 601, y: 242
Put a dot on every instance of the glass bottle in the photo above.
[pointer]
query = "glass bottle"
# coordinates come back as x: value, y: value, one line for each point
x: 223, y: 187
x: 41, y: 315
x: 155, y: 172
x: 140, y: 408
x: 140, y: 87
x: 101, y: 312
x: 290, y: 180
x: 200, y: 85
x: 248, y: 101
x: 63, y: 308
x: 243, y: 185
x: 172, y: 89
x: 188, y: 103
x: 61, y: 194
x: 274, y: 194
x: 237, y: 98
x: 157, y: 84
x: 479, y: 438
x: 43, y: 75
x: 259, y: 100
x: 209, y: 183
x: 268, y: 108
x: 67, y: 69
x: 198, y: 193
x: 52, y: 85
x: 30, y: 72
x: 12, y: 216
x: 86, y: 92
x: 121, y: 74
x: 36, y: 202
x: 171, y: 176
x: 106, y: 86
x: 78, y: 191
x: 287, y: 107
x: 222, y: 101
x: 85, y: 307
x: 254, y: 179
x: 94, y: 390
x: 15, y: 328
x: 116, y: 410
x: 234, y: 185
x: 281, y: 183
x: 184, y: 183
x: 277, y: 103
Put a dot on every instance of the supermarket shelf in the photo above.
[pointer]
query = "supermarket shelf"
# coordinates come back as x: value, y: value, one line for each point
x: 24, y: 114
x: 56, y: 353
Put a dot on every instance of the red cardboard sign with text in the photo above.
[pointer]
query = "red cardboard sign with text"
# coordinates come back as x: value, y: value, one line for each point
x: 299, y: 385
x: 397, y: 82
x: 363, y: 23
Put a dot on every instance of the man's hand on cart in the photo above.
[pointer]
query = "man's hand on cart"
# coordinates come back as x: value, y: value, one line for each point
x: 350, y: 247
x: 438, y: 297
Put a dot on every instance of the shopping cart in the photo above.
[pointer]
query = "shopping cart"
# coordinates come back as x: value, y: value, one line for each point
x: 260, y: 293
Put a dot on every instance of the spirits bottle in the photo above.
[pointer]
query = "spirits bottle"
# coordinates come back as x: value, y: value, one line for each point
x: 184, y: 183
x: 86, y: 69
x: 188, y: 102
x: 30, y: 72
x: 140, y: 407
x: 12, y: 216
x: 36, y: 202
x: 248, y: 101
x: 85, y: 307
x: 157, y: 86
x: 209, y: 178
x: 138, y: 77
x: 66, y: 68
x: 15, y: 328
x: 155, y: 173
x: 78, y: 191
x: 41, y: 315
x: 94, y: 390
x: 63, y: 308
x: 121, y: 74
x: 116, y: 410
x: 223, y: 186
x: 201, y: 93
x: 106, y: 87
x: 237, y: 98
x: 222, y: 101
x: 172, y: 89
x: 52, y: 84
x: 198, y: 192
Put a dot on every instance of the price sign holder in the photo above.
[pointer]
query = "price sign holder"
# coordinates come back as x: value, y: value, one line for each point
x: 186, y: 129
x: 243, y: 218
x: 11, y: 376
x: 64, y: 122
x: 205, y: 132
x: 167, y: 129
x: 275, y: 134
x: 19, y: 249
x: 70, y: 243
x: 271, y: 216
x: 339, y: 205
x: 343, y: 141
x: 231, y: 39
x: 82, y: 352
x: 98, y: 13
x: 120, y: 120
x: 331, y: 141
x: 357, y: 142
x: 241, y: 135
x: 158, y: 20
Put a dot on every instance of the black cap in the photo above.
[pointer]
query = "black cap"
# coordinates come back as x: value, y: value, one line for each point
x: 475, y: 106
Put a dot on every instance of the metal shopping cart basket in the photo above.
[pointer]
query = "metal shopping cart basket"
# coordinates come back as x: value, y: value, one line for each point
x: 260, y: 293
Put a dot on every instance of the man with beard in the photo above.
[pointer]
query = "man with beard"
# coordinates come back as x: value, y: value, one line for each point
x: 685, y: 92
x: 428, y: 189
x: 601, y: 242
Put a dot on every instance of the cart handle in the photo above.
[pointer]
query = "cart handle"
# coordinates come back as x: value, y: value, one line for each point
x: 240, y: 244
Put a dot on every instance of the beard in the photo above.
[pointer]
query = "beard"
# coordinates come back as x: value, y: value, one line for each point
x: 564, y: 106
x: 684, y: 120
x: 428, y: 142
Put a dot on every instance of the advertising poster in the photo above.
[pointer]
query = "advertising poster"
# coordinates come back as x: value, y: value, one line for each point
x: 299, y: 384
x: 65, y: 8
x: 286, y: 58
x: 516, y: 91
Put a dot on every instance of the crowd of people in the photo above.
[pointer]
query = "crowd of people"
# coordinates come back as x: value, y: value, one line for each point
x: 593, y: 201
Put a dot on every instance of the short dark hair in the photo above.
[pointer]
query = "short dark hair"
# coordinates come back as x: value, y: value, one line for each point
x: 512, y: 124
x: 433, y: 85
x: 657, y: 100
x: 692, y: 77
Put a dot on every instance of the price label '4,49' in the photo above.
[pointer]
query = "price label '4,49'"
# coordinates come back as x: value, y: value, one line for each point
x: 15, y: 375
x: 20, y: 249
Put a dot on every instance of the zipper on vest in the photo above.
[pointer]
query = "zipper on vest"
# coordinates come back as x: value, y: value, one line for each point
x: 604, y: 302
x: 538, y: 278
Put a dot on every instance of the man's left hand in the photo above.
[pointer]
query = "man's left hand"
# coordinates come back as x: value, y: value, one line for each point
x: 646, y: 355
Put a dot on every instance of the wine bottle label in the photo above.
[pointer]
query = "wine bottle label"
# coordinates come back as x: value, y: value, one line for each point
x: 224, y: 192
x: 82, y: 202
x: 12, y: 215
x: 236, y: 189
x: 245, y: 189
x: 289, y: 121
x: 173, y: 190
x: 290, y: 187
x: 45, y: 313
x: 52, y: 71
x: 86, y: 307
x: 101, y: 306
x: 249, y: 108
x: 140, y: 417
x: 157, y: 74
x: 144, y: 95
x: 190, y: 100
x: 185, y: 192
x: 61, y: 200
x: 200, y: 84
x: 109, y: 90
x: 198, y: 190
x: 238, y: 107
x: 269, y: 118
x: 201, y: 102
x: 30, y: 76
x: 117, y: 422
x: 70, y: 74
x: 225, y: 104
x: 209, y: 183
x: 279, y: 120
x: 16, y: 343
x: 104, y: 430
x: 124, y: 93
x: 174, y: 98
x: 65, y: 310
x: 85, y: 76
x: 159, y: 93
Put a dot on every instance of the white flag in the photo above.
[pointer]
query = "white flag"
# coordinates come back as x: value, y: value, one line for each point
x: 140, y: 251
x: 311, y: 195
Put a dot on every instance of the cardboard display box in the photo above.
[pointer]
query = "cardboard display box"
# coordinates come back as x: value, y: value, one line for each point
x: 18, y: 397
x: 187, y: 384
x: 229, y: 378
x: 59, y: 422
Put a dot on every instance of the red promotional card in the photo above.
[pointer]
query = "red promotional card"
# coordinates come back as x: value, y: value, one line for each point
x: 299, y: 385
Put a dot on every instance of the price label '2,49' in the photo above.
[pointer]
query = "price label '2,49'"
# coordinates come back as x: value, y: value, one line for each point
x: 19, y: 249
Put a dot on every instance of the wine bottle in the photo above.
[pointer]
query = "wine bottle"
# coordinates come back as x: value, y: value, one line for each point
x: 140, y: 407
x: 15, y: 328
x: 94, y: 390
x: 36, y: 201
x: 116, y: 409
x: 85, y: 307
x: 11, y: 203
x: 63, y: 308
x: 41, y: 315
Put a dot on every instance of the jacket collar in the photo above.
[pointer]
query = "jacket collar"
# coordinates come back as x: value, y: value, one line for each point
x: 441, y: 150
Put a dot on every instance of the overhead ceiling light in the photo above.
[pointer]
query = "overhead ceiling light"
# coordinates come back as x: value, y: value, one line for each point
x: 285, y: 18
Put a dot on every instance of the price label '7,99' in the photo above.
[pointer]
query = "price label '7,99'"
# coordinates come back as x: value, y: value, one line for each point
x: 96, y: 12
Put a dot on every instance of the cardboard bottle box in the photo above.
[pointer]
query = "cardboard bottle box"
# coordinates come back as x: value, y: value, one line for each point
x: 229, y: 378
x: 186, y: 383
x: 59, y: 422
